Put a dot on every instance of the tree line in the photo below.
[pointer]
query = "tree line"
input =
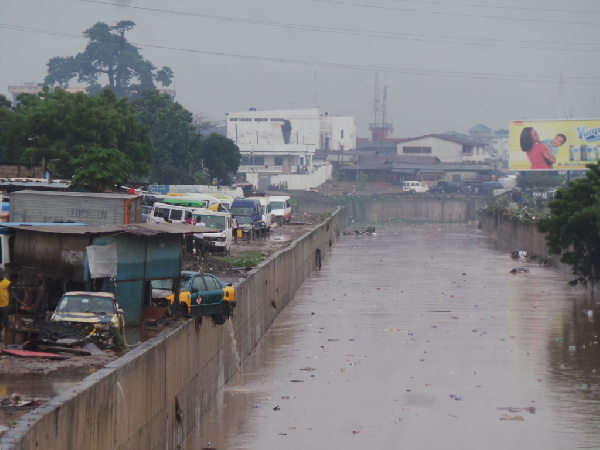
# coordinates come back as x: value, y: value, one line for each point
x: 115, y: 133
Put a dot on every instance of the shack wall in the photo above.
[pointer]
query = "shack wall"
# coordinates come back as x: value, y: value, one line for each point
x: 88, y: 208
x: 154, y: 396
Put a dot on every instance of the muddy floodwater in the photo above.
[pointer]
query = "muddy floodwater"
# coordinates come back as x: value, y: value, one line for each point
x: 419, y: 337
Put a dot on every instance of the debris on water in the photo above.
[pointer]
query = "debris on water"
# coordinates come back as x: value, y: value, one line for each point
x: 519, y: 270
x: 507, y: 417
x: 333, y: 340
x: 308, y: 368
x: 572, y: 348
x: 277, y: 408
x: 296, y: 381
x: 529, y: 409
x: 355, y: 431
x: 285, y: 397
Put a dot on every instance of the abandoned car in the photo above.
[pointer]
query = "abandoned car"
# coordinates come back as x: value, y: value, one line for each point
x: 88, y: 315
x: 201, y: 294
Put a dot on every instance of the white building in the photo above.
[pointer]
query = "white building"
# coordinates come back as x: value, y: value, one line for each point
x: 268, y: 160
x: 446, y: 148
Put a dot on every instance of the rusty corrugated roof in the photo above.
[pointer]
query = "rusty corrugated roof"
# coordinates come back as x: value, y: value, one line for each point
x: 140, y: 229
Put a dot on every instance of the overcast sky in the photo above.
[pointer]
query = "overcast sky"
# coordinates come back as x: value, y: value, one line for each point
x: 447, y: 64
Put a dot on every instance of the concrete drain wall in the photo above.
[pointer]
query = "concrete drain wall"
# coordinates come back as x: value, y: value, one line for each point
x: 154, y: 396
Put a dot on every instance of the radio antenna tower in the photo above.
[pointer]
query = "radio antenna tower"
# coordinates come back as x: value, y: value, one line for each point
x: 380, y: 128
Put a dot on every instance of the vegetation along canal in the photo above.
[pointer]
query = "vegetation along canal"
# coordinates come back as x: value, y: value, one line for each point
x: 419, y: 337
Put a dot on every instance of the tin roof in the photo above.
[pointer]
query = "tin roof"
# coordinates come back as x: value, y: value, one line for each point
x: 140, y: 229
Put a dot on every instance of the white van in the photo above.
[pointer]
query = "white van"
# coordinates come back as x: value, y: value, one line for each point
x: 281, y: 208
x: 162, y: 212
x: 265, y: 208
x: 221, y: 222
x: 414, y: 186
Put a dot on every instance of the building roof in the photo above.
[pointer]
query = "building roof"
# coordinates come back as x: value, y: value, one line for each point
x: 75, y: 194
x: 479, y: 128
x: 139, y: 229
x: 448, y: 137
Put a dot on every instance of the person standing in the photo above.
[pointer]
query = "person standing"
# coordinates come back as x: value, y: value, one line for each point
x: 189, y: 237
x: 199, y: 238
x: 4, y: 284
x: 235, y: 226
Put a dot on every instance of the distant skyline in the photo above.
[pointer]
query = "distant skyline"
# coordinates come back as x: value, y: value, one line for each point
x: 448, y: 65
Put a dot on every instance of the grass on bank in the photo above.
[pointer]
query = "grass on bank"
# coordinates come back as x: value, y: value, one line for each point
x: 248, y: 258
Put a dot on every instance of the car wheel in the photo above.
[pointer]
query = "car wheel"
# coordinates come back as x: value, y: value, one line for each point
x: 221, y: 316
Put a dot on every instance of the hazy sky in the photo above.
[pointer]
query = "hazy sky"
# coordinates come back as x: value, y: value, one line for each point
x: 448, y: 64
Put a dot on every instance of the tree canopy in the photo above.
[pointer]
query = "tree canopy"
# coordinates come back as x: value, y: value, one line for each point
x: 573, y: 229
x: 221, y: 157
x: 108, y: 54
x: 101, y: 169
x: 183, y: 155
x: 178, y: 149
x: 61, y: 126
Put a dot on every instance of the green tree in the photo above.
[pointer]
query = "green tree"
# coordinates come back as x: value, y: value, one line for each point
x: 109, y: 54
x: 286, y: 130
x: 177, y: 143
x: 540, y: 181
x: 573, y: 231
x: 101, y: 169
x: 221, y: 157
x: 60, y: 126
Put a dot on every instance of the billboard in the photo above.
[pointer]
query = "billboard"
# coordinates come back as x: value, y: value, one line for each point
x: 554, y: 144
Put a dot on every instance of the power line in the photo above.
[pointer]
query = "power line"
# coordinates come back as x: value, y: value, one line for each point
x: 370, y: 68
x: 480, y: 42
x: 511, y: 8
x: 479, y: 16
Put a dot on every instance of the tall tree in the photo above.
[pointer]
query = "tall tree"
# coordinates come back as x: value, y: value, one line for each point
x: 61, y: 126
x: 101, y: 169
x: 108, y: 54
x: 573, y: 228
x: 286, y: 130
x: 178, y: 156
x: 221, y: 157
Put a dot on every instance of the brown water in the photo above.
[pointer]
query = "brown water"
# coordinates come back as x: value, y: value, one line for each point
x: 419, y: 337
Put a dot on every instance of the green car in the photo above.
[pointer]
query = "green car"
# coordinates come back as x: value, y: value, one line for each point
x: 201, y: 294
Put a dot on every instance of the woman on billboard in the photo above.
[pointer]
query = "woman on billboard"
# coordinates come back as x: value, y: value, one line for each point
x: 540, y: 156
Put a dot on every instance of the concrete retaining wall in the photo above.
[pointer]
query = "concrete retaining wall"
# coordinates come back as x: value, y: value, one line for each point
x: 420, y: 208
x: 154, y: 396
x: 521, y: 237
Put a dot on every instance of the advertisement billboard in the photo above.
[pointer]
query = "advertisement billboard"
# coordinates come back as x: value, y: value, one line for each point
x: 554, y: 144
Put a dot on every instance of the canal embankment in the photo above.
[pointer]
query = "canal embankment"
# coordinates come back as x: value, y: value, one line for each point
x: 154, y: 396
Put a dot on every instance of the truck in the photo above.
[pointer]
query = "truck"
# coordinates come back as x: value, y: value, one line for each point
x: 82, y: 207
x: 248, y: 211
x: 220, y: 222
x: 281, y: 209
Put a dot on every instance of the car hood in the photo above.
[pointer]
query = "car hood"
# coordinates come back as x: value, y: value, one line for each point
x: 82, y: 317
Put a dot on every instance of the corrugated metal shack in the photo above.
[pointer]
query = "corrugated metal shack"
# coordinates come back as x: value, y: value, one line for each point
x: 83, y: 207
x: 120, y: 259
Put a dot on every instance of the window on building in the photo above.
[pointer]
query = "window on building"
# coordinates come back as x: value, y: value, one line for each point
x: 467, y: 150
x: 456, y: 178
x: 419, y: 150
x: 279, y: 160
x: 276, y: 119
x: 245, y: 161
x: 233, y: 119
x: 258, y: 161
x: 342, y: 134
x: 246, y: 119
x: 431, y: 177
x: 260, y: 119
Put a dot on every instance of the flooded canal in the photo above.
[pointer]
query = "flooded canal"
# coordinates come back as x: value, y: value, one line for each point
x: 419, y: 337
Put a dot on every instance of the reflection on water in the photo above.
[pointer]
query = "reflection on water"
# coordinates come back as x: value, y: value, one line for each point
x: 419, y: 337
x: 40, y: 384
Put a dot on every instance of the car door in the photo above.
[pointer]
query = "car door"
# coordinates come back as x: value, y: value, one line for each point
x: 198, y: 290
x: 214, y: 292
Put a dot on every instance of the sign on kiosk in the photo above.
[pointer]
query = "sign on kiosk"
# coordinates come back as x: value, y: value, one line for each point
x: 554, y: 144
